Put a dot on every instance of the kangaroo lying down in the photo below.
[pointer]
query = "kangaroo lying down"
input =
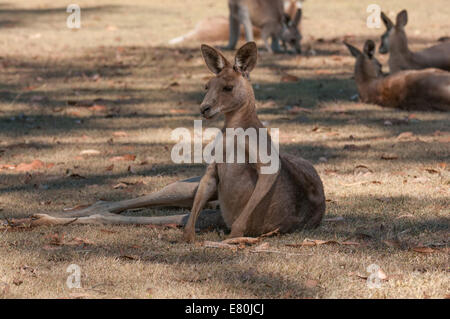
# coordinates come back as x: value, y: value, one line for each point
x: 426, y: 90
x: 251, y: 202
x: 395, y: 41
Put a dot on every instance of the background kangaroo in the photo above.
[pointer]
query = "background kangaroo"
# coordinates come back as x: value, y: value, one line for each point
x: 395, y: 42
x: 427, y: 89
x: 269, y: 16
x: 219, y: 28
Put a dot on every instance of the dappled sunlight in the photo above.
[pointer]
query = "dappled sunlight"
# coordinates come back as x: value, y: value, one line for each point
x: 94, y: 110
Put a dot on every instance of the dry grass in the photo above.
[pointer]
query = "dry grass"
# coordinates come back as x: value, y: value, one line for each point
x: 120, y: 57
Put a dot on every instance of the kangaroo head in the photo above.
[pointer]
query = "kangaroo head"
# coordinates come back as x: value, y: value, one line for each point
x: 384, y: 46
x: 366, y: 66
x: 290, y: 33
x: 230, y: 89
x: 395, y: 33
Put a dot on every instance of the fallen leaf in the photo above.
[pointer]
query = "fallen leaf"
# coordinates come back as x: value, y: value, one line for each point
x: 79, y: 241
x: 431, y: 171
x: 444, y: 139
x: 179, y: 111
x: 380, y: 274
x: 126, y: 157
x: 270, y: 234
x: 423, y: 250
x: 98, y: 108
x: 121, y: 185
x: 76, y: 295
x: 56, y: 239
x: 389, y: 157
x: 289, y: 78
x: 404, y: 216
x: 405, y: 135
x: 261, y: 247
x: 350, y: 243
x: 241, y: 240
x: 361, y: 169
x: 7, y: 166
x: 313, y: 242
x: 175, y: 83
x: 120, y: 134
x: 34, y: 165
x: 127, y: 257
x: 17, y: 281
x: 89, y: 152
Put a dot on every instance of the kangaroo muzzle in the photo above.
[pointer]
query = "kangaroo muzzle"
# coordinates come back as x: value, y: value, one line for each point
x: 205, y: 109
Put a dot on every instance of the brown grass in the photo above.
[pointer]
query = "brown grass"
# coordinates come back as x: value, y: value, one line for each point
x: 120, y: 56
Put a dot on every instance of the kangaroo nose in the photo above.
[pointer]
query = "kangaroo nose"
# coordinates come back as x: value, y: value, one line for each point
x: 205, y: 108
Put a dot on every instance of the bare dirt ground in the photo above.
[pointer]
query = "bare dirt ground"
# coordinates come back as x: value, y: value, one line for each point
x: 115, y: 87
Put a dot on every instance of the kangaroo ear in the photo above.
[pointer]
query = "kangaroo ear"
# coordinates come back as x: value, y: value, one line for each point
x: 286, y: 19
x: 215, y: 61
x: 246, y: 58
x: 387, y: 22
x: 298, y: 17
x: 369, y: 48
x: 354, y: 51
x: 402, y: 18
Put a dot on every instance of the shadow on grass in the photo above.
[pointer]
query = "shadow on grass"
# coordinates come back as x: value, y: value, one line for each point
x: 241, y: 273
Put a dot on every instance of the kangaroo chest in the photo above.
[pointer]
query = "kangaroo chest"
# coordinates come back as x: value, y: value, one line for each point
x: 236, y: 184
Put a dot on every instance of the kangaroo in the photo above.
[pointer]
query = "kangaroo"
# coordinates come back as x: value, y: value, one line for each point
x: 251, y: 202
x: 425, y: 90
x: 395, y: 42
x: 269, y: 16
x: 221, y: 28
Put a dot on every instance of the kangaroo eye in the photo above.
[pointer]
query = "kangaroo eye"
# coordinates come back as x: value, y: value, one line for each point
x: 228, y: 88
x: 206, y: 87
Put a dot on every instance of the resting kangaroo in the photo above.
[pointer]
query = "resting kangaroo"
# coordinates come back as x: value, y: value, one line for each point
x: 267, y: 15
x: 395, y: 42
x: 251, y: 202
x: 425, y: 90
x: 219, y: 28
